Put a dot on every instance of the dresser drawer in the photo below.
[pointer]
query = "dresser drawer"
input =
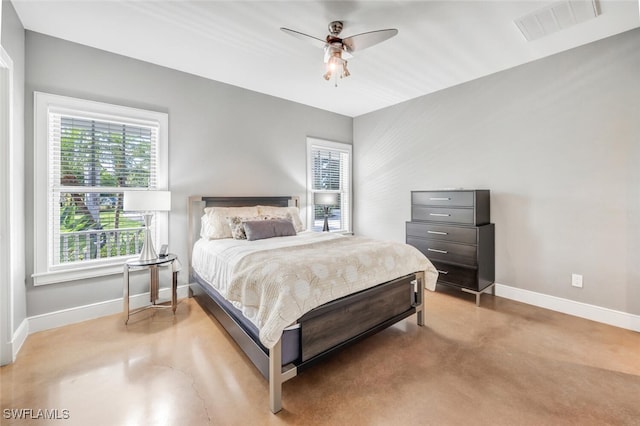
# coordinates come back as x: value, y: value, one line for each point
x: 457, y: 275
x: 458, y: 234
x: 445, y: 251
x: 441, y: 214
x: 444, y: 198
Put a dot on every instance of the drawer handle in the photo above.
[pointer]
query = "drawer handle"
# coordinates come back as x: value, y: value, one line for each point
x: 442, y: 272
x: 437, y: 233
x: 438, y: 251
x: 439, y: 199
x: 439, y: 214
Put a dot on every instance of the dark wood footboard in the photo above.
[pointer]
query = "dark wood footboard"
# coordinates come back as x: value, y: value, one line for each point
x: 345, y: 319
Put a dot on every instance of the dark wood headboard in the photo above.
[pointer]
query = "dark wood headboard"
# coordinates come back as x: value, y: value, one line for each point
x: 197, y: 204
x: 248, y: 201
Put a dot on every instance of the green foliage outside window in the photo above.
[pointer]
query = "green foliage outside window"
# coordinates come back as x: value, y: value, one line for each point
x: 103, y: 156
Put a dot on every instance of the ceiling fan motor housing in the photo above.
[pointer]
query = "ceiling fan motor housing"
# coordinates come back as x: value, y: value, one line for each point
x: 335, y: 28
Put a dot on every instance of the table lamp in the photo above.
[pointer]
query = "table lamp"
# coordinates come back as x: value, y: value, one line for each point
x: 147, y: 202
x: 326, y: 200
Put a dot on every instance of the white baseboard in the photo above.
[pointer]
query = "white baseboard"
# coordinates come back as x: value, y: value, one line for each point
x: 95, y: 310
x: 110, y: 307
x: 571, y: 307
x: 19, y: 338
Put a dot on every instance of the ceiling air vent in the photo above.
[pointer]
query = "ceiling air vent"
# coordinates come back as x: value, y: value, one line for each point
x: 556, y: 17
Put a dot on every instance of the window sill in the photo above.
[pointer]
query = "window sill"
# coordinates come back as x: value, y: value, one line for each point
x: 79, y: 273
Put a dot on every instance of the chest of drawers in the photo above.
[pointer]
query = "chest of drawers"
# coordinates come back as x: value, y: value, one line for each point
x: 452, y: 229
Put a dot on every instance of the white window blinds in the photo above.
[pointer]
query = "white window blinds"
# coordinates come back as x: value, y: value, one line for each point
x: 92, y: 153
x: 330, y: 171
x: 91, y: 162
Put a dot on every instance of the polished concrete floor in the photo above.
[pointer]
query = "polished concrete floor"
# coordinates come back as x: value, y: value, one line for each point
x: 504, y: 363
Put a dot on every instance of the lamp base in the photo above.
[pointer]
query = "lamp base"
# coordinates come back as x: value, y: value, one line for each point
x: 326, y: 220
x: 148, y: 251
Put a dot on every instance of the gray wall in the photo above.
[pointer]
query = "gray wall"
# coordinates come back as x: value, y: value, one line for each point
x: 557, y: 141
x: 223, y: 140
x: 13, y: 42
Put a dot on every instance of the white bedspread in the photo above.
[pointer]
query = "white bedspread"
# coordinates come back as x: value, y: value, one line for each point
x: 275, y: 281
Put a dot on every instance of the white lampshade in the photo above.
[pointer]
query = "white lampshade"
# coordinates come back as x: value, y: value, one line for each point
x: 147, y: 201
x: 325, y: 198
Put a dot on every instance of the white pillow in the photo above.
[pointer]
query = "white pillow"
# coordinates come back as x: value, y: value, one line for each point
x: 281, y: 212
x: 216, y: 225
x: 205, y: 227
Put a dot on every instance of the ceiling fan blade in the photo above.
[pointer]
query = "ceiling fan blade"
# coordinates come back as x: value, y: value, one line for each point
x: 302, y: 36
x: 364, y: 40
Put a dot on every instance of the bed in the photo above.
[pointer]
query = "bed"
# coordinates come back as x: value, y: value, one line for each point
x: 291, y: 297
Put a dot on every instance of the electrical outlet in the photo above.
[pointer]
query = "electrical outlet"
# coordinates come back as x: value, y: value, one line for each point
x: 576, y: 280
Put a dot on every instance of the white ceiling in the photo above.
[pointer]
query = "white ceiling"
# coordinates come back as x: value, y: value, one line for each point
x: 440, y: 43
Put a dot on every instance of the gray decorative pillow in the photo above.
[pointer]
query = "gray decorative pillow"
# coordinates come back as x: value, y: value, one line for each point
x: 261, y: 229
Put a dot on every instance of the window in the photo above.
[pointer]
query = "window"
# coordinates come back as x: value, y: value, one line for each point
x: 329, y: 170
x: 87, y: 155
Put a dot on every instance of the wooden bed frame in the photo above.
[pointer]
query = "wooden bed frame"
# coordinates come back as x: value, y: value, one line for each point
x: 324, y: 330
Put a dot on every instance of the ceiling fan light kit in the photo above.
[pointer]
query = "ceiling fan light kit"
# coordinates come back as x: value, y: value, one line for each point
x: 335, y: 65
x: 337, y: 49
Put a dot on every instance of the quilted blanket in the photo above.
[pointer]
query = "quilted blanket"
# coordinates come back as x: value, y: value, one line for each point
x: 276, y: 287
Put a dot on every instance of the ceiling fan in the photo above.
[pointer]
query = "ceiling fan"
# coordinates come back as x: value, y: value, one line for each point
x: 337, y: 50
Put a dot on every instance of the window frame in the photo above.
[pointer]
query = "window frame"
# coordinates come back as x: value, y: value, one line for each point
x: 45, y: 272
x: 337, y: 146
x: 9, y: 236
